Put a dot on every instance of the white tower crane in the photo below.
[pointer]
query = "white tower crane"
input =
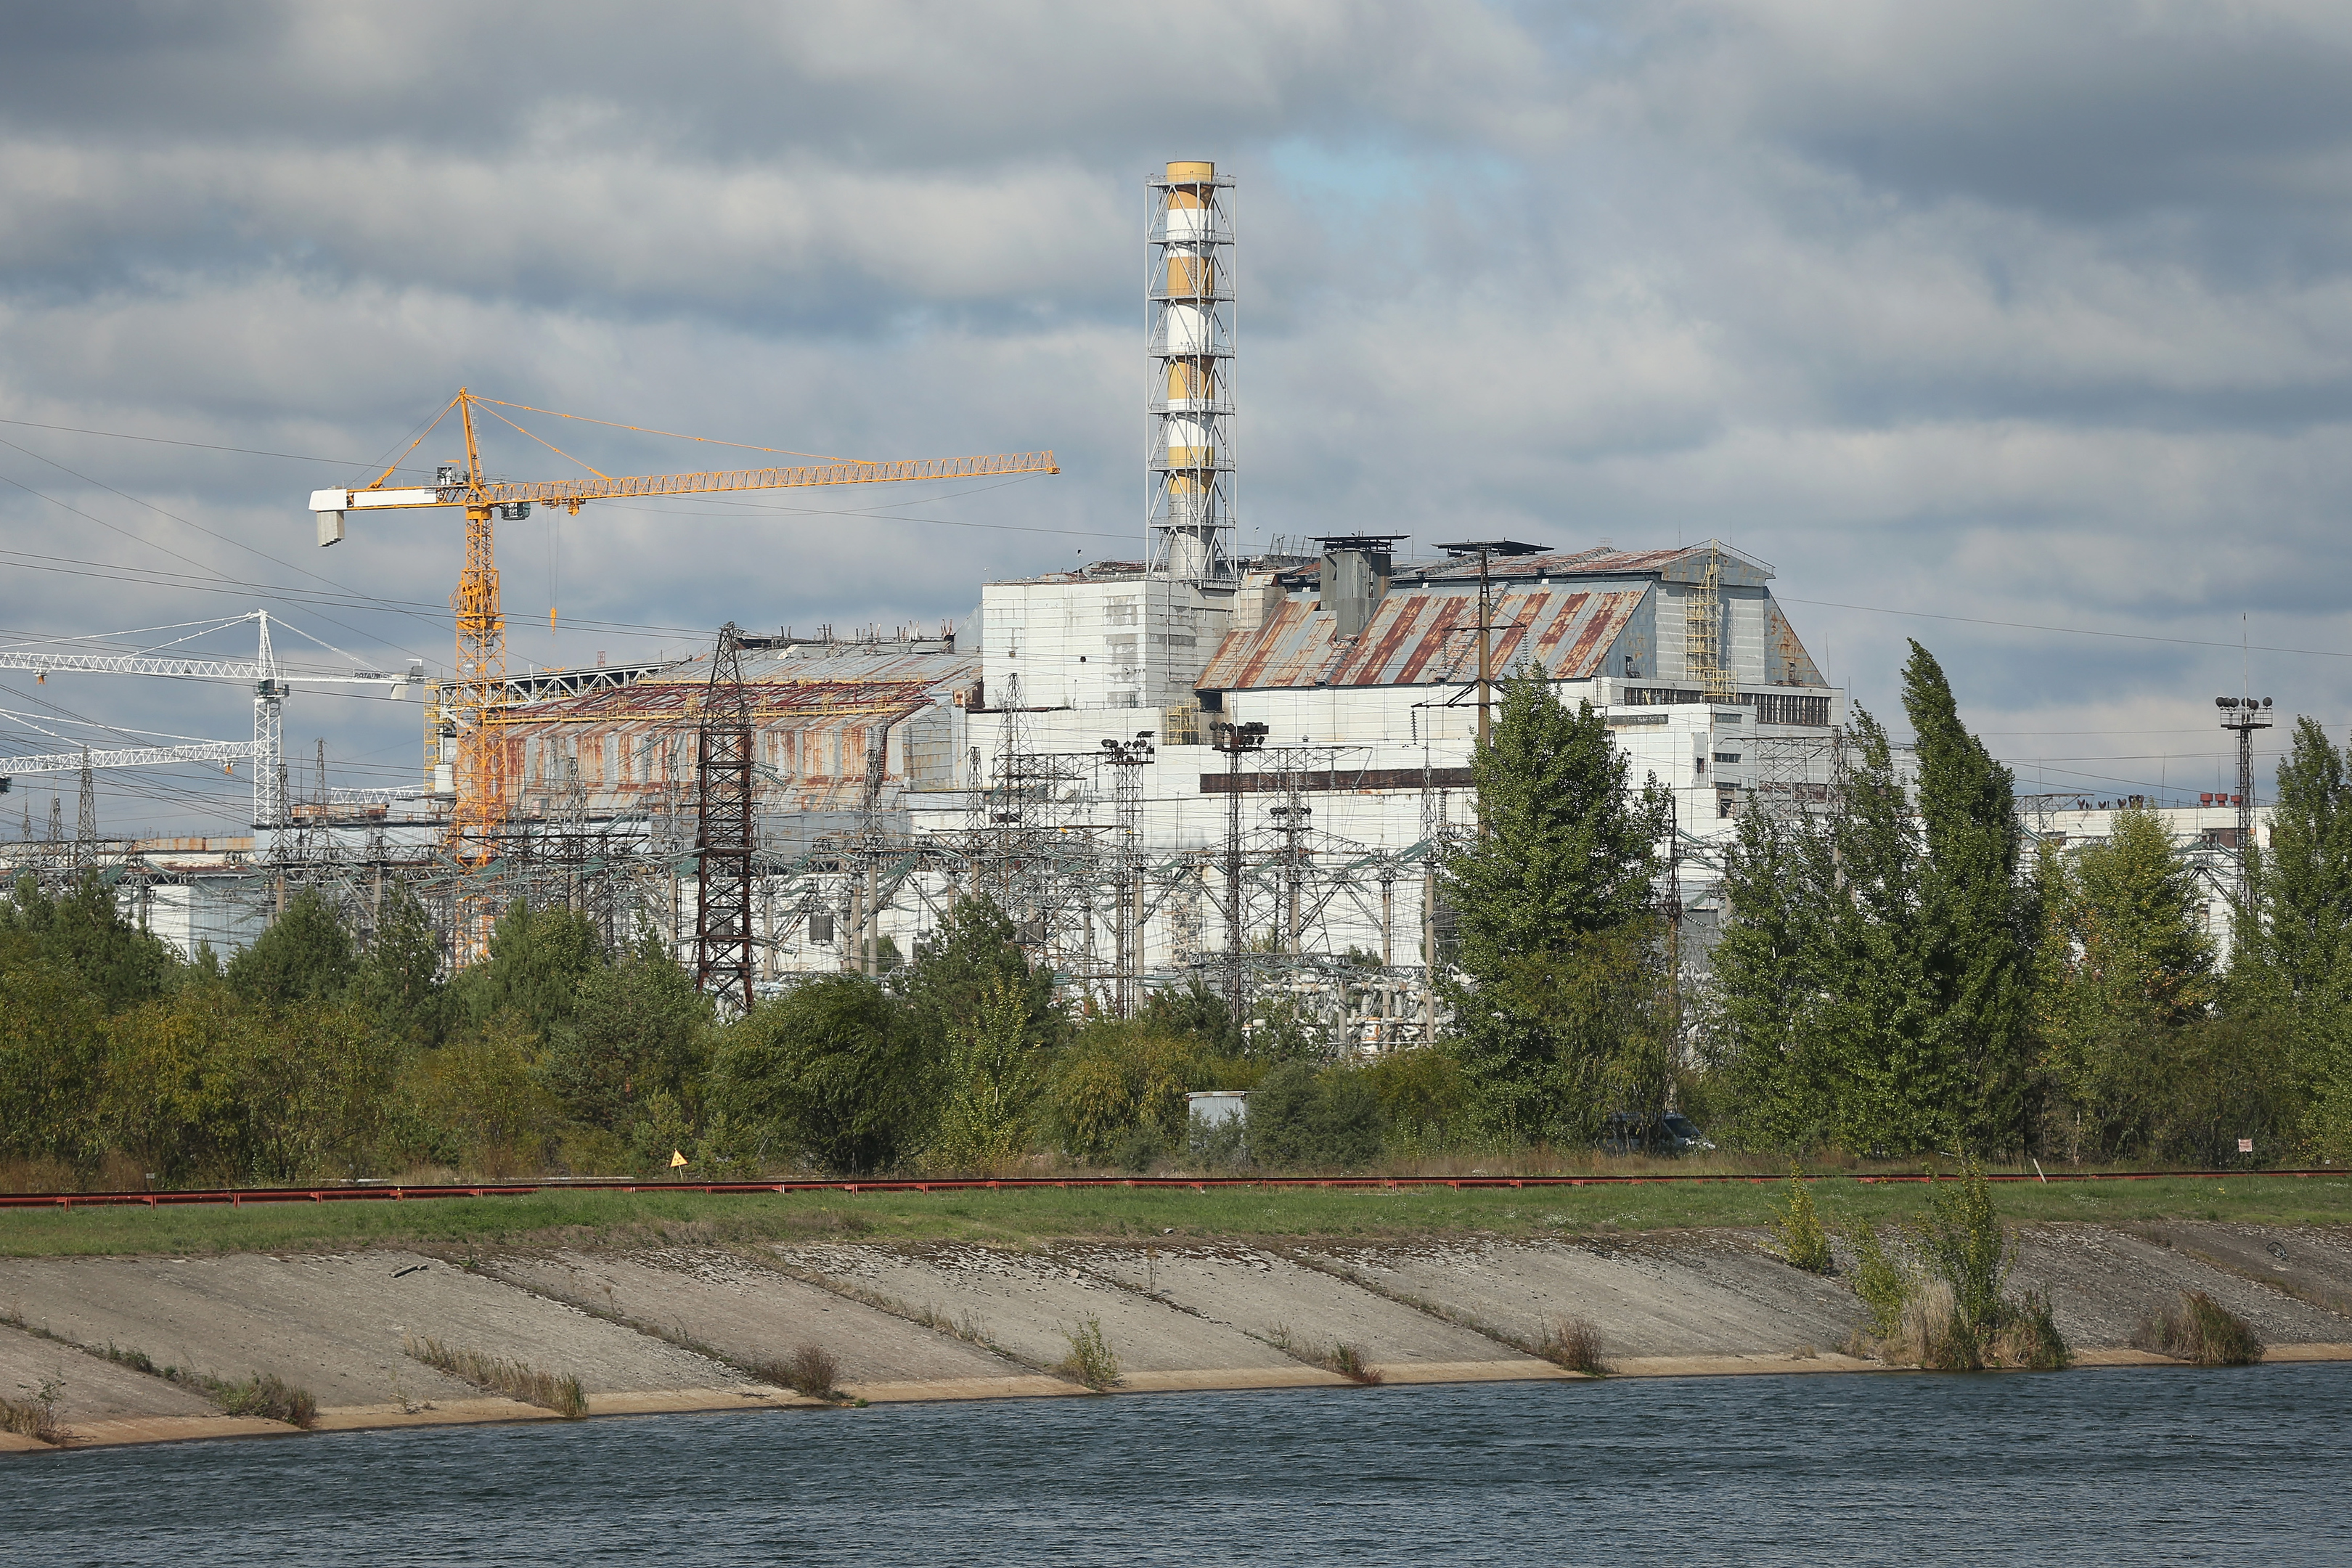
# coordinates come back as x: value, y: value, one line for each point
x: 270, y: 680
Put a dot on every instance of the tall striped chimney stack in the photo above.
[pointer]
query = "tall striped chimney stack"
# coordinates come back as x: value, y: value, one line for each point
x: 1191, y: 295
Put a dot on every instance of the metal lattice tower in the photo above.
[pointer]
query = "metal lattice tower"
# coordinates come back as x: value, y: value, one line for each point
x: 1189, y: 293
x: 1125, y: 760
x: 2243, y: 716
x: 85, y: 825
x: 723, y: 839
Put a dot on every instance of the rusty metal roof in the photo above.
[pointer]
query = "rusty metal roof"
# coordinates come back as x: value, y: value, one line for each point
x: 1683, y: 563
x: 1413, y: 639
x: 818, y: 681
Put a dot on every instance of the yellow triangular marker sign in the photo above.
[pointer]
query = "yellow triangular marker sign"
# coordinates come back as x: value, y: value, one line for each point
x: 675, y: 1159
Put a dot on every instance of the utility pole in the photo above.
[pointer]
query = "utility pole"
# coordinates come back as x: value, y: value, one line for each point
x: 2244, y: 715
x: 1485, y: 550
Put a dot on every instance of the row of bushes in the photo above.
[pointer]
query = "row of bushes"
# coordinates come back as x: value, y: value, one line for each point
x: 305, y: 1058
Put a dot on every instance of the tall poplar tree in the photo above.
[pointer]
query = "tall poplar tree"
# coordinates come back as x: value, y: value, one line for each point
x: 1977, y: 917
x: 1874, y: 982
x: 1550, y: 903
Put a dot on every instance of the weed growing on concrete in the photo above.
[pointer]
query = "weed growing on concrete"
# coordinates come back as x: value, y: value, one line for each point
x: 1931, y: 1333
x: 36, y: 1417
x: 810, y: 1370
x: 1340, y: 1357
x: 1574, y: 1343
x: 1798, y: 1227
x: 2199, y: 1330
x: 1954, y: 1315
x: 512, y: 1378
x: 1090, y: 1361
x: 2029, y: 1338
x: 265, y: 1396
x: 137, y: 1361
x: 1348, y: 1361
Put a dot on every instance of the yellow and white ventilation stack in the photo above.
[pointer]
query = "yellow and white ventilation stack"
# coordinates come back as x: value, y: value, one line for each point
x: 1192, y: 344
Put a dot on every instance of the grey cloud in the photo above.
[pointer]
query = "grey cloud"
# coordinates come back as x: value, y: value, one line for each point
x: 2034, y: 316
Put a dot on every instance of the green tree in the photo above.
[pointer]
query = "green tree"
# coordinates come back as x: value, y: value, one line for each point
x: 398, y: 981
x: 1559, y: 1011
x: 1197, y: 1012
x: 305, y: 955
x: 1564, y: 848
x: 53, y: 1062
x: 1765, y: 1012
x: 1329, y: 1118
x: 1873, y: 985
x: 483, y: 1098
x: 970, y: 956
x: 638, y: 1027
x: 2288, y: 995
x: 2302, y: 882
x: 2124, y: 965
x: 539, y: 961
x: 1976, y: 914
x: 1555, y: 1041
x: 995, y: 1074
x: 85, y: 935
x: 828, y: 1072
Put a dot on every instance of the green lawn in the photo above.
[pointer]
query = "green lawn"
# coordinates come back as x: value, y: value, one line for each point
x: 1039, y: 1215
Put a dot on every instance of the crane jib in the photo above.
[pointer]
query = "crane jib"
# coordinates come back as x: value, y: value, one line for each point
x: 563, y: 490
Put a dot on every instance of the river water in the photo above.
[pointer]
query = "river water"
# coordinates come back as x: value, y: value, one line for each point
x: 2124, y: 1466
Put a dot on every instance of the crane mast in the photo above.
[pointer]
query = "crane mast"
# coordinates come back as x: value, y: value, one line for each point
x: 478, y: 759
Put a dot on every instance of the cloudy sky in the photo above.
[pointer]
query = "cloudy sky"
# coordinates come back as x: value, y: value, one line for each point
x: 1994, y: 325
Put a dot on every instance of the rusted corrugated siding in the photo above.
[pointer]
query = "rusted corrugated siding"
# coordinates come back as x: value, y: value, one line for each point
x: 816, y: 714
x: 1413, y: 639
x: 1791, y: 665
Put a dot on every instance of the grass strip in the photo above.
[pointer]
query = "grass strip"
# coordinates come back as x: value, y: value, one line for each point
x: 1043, y: 1215
x: 516, y: 1380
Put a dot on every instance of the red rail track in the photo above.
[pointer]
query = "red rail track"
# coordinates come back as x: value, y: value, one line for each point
x: 239, y: 1196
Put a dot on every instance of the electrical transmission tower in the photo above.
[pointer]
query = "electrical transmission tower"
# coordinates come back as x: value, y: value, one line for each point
x: 722, y: 836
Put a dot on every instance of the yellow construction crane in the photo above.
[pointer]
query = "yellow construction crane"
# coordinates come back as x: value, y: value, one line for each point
x: 480, y: 773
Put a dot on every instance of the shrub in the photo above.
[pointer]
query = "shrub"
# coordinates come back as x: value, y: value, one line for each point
x: 1119, y: 1079
x: 2200, y: 1329
x: 1933, y: 1333
x: 1574, y: 1343
x: 810, y: 1370
x: 1298, y: 1116
x: 1966, y: 1247
x: 36, y: 1417
x: 1090, y: 1361
x: 1348, y: 1361
x: 2029, y: 1337
x: 266, y: 1396
x: 1798, y: 1227
x: 1881, y: 1283
x: 828, y: 1071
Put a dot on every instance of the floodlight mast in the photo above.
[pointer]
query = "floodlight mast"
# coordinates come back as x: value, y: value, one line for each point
x: 2243, y: 716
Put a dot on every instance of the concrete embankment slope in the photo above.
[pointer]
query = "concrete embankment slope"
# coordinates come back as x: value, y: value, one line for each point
x: 665, y: 1329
